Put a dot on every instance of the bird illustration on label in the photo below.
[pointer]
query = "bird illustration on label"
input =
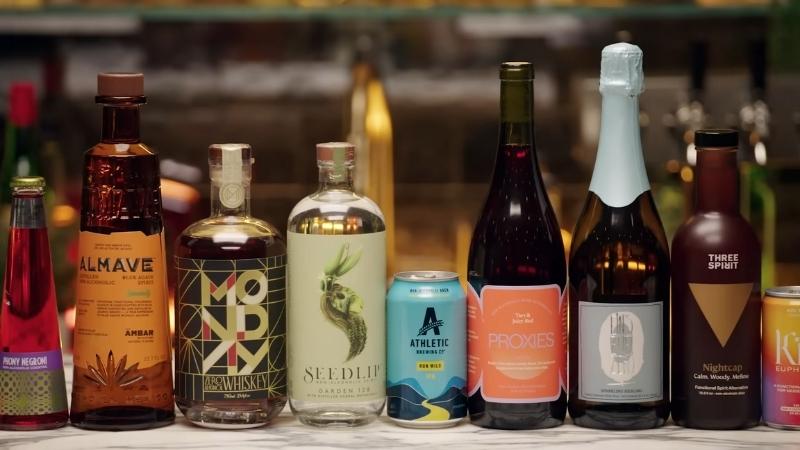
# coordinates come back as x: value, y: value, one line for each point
x: 340, y: 304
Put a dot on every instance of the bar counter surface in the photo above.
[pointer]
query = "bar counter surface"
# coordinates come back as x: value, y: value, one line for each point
x: 286, y: 432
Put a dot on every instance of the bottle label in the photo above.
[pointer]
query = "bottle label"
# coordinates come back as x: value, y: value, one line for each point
x: 620, y: 352
x: 517, y: 343
x: 122, y: 349
x: 231, y: 329
x: 337, y: 310
x: 35, y: 382
x: 427, y: 349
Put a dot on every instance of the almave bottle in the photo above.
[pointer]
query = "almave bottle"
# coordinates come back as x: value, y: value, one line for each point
x: 336, y: 302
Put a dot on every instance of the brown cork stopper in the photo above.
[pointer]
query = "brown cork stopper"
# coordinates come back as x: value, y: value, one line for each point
x: 120, y: 85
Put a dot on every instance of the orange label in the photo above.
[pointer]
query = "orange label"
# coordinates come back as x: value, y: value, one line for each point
x: 121, y: 330
x: 517, y: 343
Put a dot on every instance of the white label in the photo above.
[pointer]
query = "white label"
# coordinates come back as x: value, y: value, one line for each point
x: 620, y: 352
x: 337, y: 317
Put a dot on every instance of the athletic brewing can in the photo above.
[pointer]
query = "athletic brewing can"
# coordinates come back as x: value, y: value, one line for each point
x: 780, y: 364
x: 426, y: 350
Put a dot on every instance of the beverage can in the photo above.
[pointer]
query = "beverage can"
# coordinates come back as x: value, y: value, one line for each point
x: 426, y: 349
x: 780, y: 364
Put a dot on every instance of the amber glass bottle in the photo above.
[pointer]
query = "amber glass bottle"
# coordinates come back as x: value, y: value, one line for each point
x: 123, y: 373
x: 716, y: 299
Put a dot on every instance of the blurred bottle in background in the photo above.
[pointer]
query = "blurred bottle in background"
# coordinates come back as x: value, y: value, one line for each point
x: 674, y: 196
x: 368, y: 125
x: 21, y: 149
x: 758, y: 197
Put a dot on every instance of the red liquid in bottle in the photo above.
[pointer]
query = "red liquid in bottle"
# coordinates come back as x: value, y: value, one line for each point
x: 33, y: 395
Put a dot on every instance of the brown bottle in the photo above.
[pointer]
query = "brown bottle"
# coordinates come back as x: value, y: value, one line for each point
x: 716, y: 338
x: 123, y: 372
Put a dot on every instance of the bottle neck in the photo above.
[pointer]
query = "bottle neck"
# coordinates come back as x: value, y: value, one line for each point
x: 516, y: 113
x: 230, y: 199
x: 619, y: 175
x: 120, y: 124
x: 27, y: 211
x: 717, y: 188
x: 338, y: 177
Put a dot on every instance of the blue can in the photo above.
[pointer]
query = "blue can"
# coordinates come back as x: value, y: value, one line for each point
x: 426, y: 350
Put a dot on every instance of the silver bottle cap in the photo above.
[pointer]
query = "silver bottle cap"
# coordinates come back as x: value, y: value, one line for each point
x: 621, y: 69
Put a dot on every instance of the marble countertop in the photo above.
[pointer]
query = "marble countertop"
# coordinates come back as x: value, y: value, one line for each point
x: 286, y: 432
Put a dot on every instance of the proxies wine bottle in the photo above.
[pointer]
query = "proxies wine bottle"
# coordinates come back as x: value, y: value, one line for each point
x: 619, y: 271
x: 517, y: 272
x: 716, y: 273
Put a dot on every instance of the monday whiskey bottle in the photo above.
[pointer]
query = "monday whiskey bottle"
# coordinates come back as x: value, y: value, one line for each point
x: 716, y: 298
x: 619, y: 271
x: 337, y: 299
x: 517, y: 275
x: 122, y: 354
x: 230, y: 305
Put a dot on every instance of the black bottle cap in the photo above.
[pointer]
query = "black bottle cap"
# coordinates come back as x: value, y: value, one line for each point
x: 723, y: 137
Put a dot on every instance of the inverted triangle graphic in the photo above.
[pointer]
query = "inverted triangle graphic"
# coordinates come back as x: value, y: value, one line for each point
x: 722, y: 305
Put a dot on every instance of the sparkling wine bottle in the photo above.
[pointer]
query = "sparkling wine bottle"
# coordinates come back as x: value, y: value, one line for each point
x: 619, y: 271
x: 33, y: 393
x: 517, y: 275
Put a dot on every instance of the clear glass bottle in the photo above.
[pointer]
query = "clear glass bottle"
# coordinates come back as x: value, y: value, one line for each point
x: 336, y: 304
x: 230, y: 303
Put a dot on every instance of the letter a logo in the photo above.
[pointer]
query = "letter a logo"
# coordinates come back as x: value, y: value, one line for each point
x: 430, y: 323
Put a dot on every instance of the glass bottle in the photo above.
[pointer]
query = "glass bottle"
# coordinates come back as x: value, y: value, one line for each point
x: 517, y: 274
x: 33, y: 394
x: 716, y: 299
x: 122, y: 353
x: 20, y: 149
x: 230, y: 303
x: 619, y: 271
x: 337, y: 299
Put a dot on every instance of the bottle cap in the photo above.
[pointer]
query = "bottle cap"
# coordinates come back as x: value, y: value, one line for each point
x: 336, y: 152
x: 516, y: 70
x: 716, y: 138
x: 621, y: 69
x: 22, y: 104
x: 27, y: 182
x: 217, y: 153
x: 110, y: 84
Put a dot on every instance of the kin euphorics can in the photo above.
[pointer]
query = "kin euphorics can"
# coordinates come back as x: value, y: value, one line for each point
x: 426, y: 349
x: 780, y: 363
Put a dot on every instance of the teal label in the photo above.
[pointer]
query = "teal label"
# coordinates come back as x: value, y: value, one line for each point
x: 426, y: 364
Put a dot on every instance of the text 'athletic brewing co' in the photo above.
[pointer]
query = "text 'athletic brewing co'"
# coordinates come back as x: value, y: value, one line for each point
x: 619, y: 271
x: 716, y: 298
x: 517, y: 274
x: 337, y: 299
x: 426, y: 350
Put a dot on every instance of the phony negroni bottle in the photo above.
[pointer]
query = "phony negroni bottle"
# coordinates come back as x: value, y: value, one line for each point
x: 230, y: 305
x: 337, y: 303
x: 619, y: 271
x: 716, y: 298
x: 123, y: 373
x: 33, y: 393
x: 517, y: 275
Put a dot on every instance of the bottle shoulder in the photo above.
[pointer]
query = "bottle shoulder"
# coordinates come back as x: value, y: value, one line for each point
x: 232, y: 226
x: 711, y: 231
x: 337, y: 207
x: 122, y: 150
